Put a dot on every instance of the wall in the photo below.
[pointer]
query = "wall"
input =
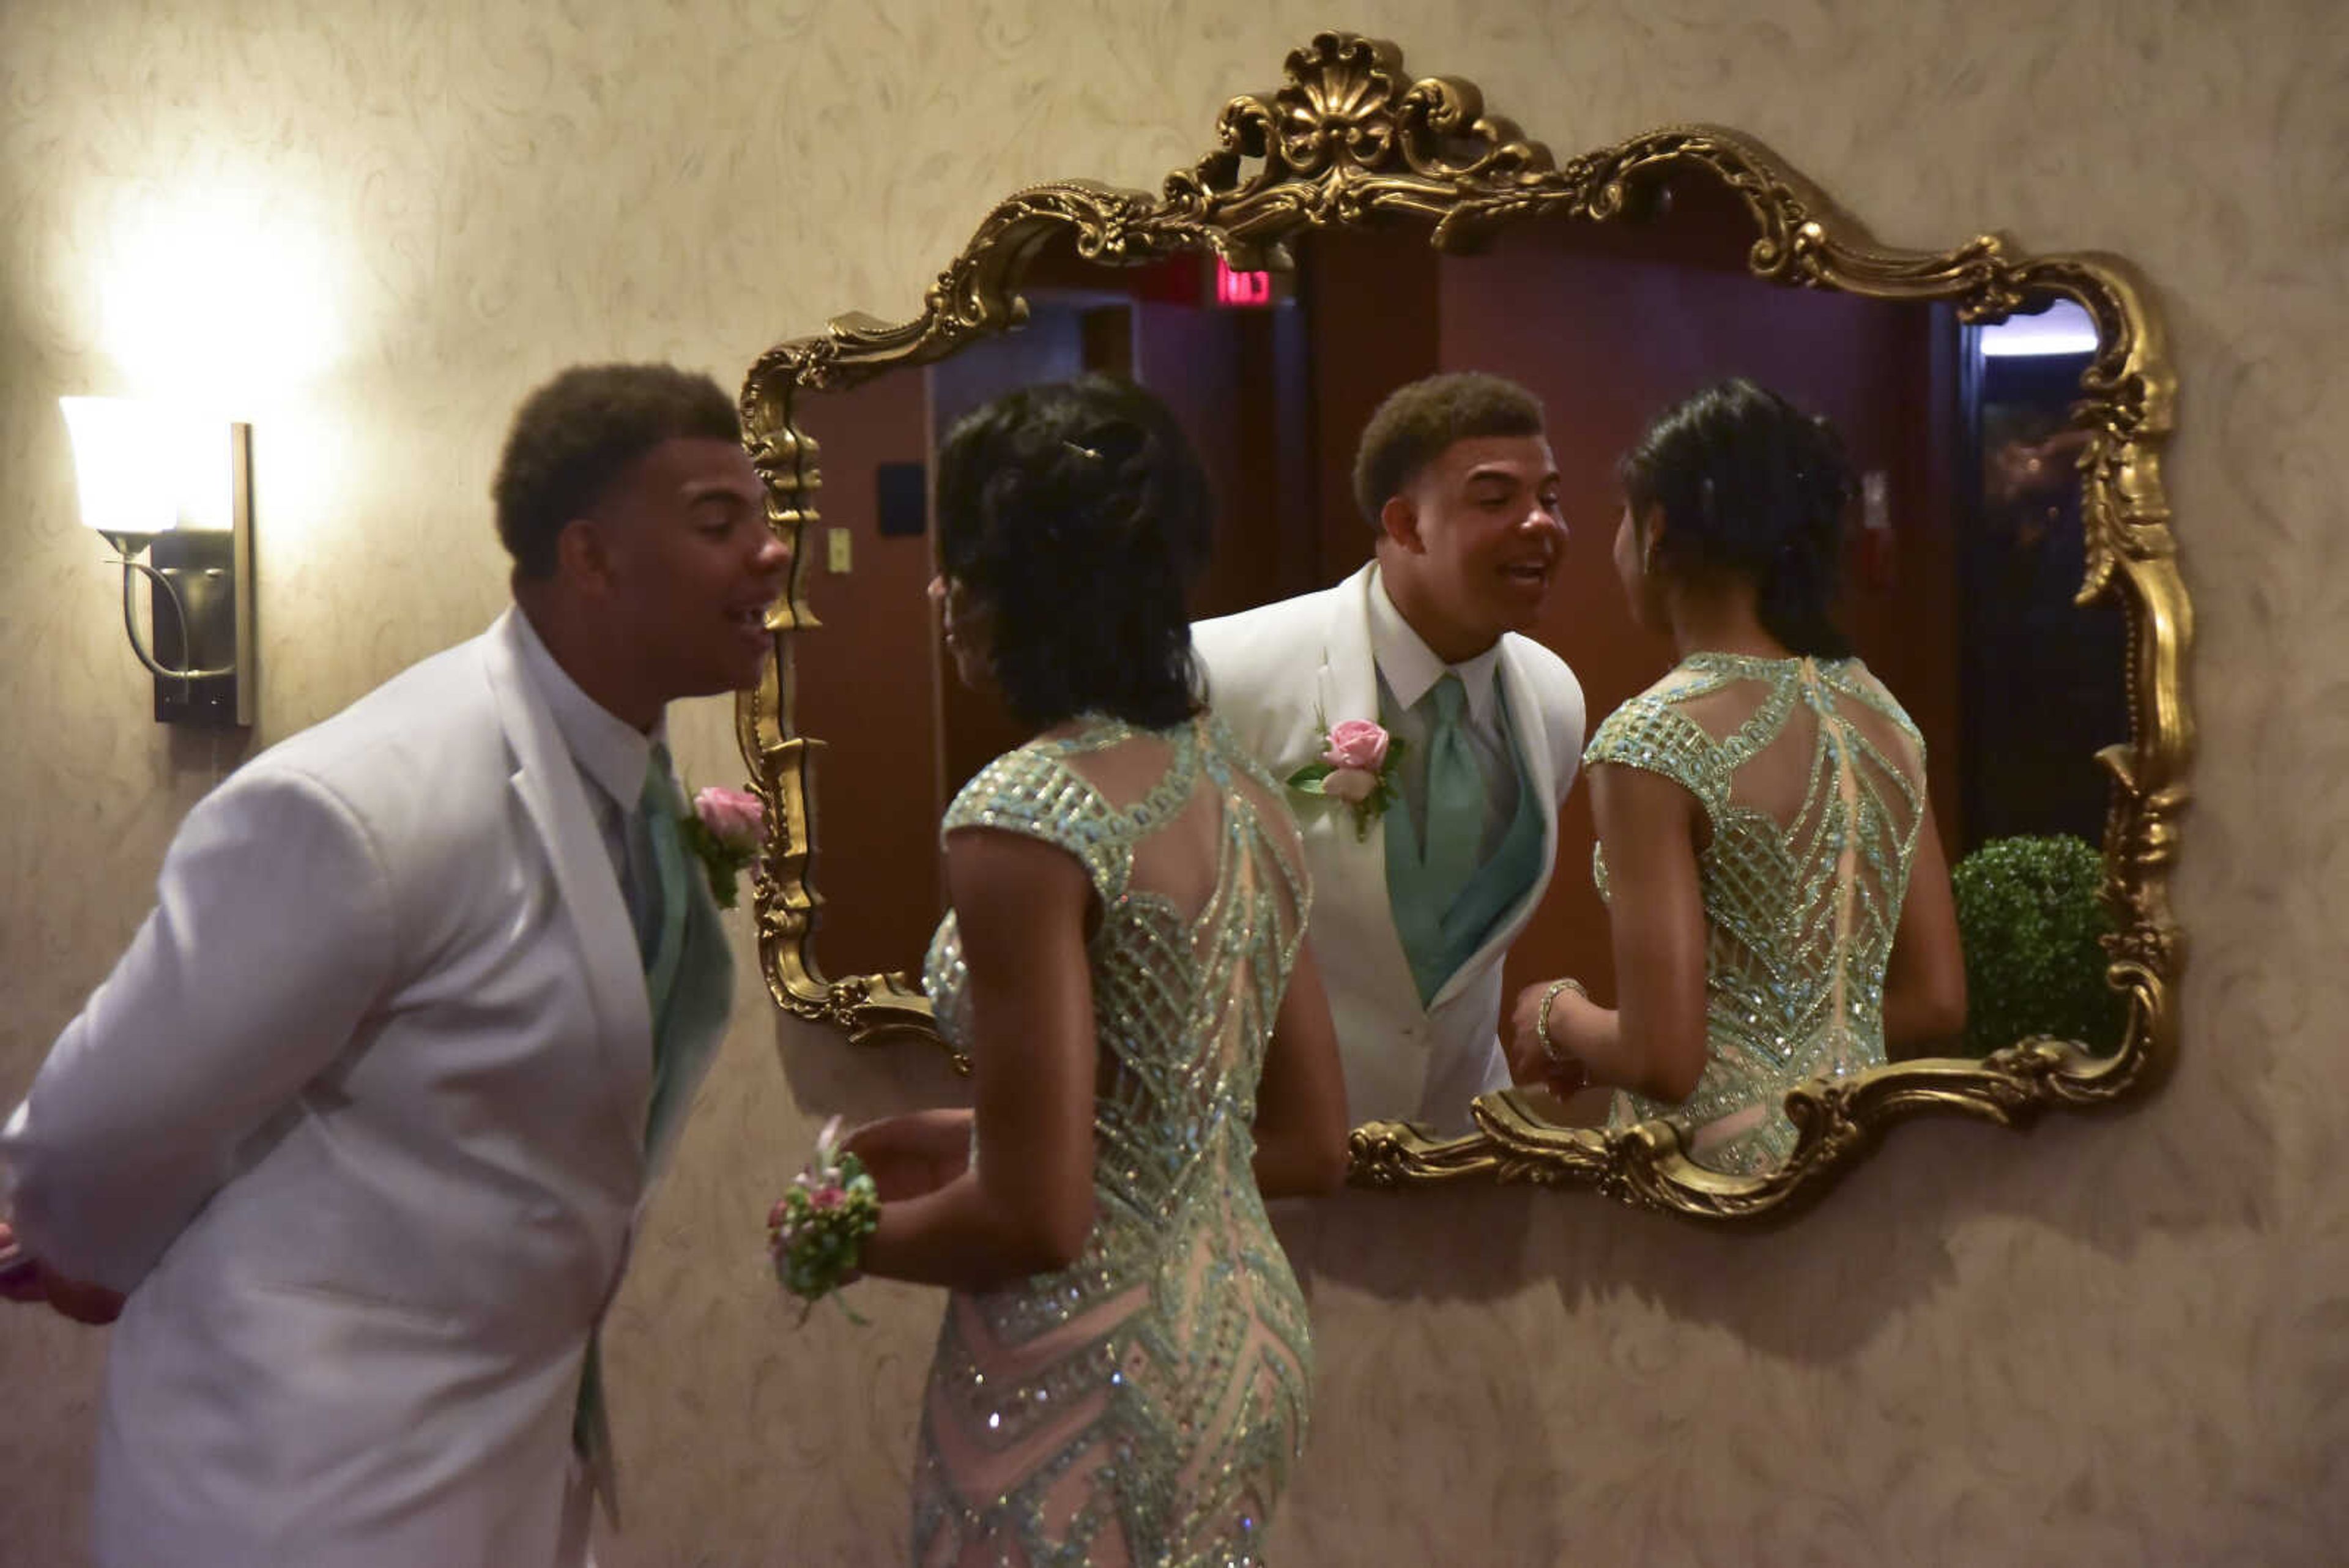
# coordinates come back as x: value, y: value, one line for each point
x: 2121, y: 1340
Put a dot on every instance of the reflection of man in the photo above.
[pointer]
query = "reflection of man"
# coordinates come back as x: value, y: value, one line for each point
x: 363, y: 1120
x: 1414, y: 906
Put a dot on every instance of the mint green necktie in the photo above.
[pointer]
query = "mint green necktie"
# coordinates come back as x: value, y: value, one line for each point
x: 662, y: 809
x: 1455, y: 797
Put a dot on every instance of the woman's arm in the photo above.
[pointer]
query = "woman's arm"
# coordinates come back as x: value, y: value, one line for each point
x: 1300, y: 1101
x: 914, y: 1154
x: 1925, y: 980
x: 1653, y: 1044
x: 1027, y: 1206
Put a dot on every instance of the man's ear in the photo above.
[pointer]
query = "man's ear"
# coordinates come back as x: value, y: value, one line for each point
x: 582, y: 556
x: 1399, y: 521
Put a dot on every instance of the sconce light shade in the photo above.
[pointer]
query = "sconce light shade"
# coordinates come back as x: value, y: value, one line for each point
x: 124, y: 490
x: 178, y: 490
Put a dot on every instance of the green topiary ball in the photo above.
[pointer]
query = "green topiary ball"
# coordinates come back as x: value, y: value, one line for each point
x: 2029, y: 914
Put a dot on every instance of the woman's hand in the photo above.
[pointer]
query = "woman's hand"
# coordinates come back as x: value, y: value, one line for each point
x: 1552, y: 1060
x: 915, y: 1154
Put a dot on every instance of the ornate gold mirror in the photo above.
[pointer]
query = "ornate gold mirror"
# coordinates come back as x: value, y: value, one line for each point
x: 2012, y: 571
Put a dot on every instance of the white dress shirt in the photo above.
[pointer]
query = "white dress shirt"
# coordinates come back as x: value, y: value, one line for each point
x: 1408, y: 672
x: 612, y: 756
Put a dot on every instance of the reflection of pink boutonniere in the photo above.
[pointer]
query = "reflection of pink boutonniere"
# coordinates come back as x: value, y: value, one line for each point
x: 1357, y: 766
x: 724, y: 831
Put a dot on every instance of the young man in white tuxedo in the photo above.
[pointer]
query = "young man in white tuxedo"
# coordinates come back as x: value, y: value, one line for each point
x: 357, y: 1132
x: 1420, y: 888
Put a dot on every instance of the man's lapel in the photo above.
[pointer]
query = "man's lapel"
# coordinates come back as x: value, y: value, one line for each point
x: 549, y: 785
x: 1350, y: 665
x: 1352, y: 893
x: 1533, y: 734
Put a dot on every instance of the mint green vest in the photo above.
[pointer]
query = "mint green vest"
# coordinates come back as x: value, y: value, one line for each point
x: 1438, y: 941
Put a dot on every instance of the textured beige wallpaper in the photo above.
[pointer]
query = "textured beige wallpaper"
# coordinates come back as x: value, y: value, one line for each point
x: 2120, y: 1341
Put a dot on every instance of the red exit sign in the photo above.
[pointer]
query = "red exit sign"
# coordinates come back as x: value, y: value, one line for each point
x: 1245, y: 289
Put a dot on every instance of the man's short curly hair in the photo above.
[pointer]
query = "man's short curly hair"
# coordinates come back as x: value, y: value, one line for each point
x: 578, y: 435
x: 1421, y: 419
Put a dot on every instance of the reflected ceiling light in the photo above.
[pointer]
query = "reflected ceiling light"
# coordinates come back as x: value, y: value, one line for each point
x: 2063, y: 327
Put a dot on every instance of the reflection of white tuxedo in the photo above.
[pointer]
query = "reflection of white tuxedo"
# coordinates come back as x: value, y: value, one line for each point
x: 359, y: 1122
x: 1275, y: 675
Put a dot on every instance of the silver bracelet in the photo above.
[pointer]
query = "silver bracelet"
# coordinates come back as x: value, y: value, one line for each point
x: 1550, y: 1052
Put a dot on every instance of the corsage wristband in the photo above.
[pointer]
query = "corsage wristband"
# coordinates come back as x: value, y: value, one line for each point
x: 816, y: 1234
x: 1556, y: 1057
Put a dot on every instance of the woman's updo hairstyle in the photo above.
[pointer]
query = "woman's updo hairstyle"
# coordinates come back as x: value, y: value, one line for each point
x: 1077, y: 513
x: 1751, y: 484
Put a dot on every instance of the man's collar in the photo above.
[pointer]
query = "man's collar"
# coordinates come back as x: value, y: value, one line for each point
x: 607, y: 748
x: 1411, y: 667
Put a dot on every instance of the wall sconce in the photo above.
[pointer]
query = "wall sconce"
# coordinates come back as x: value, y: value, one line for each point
x: 179, y: 492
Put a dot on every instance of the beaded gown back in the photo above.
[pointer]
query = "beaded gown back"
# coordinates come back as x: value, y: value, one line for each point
x: 1143, y: 1405
x: 1812, y: 778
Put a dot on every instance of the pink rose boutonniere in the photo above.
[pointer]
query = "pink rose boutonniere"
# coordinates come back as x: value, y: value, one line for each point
x: 1356, y: 766
x: 724, y: 831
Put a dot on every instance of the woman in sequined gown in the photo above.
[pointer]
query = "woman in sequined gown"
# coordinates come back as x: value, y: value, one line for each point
x: 1124, y: 1369
x: 1779, y: 896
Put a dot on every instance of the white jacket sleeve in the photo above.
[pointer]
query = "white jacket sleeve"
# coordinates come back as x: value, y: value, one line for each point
x: 271, y: 939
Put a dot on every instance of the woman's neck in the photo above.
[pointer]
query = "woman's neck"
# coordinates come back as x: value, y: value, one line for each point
x: 1719, y: 617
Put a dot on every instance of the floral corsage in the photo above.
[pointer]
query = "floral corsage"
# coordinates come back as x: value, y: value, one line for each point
x: 723, y: 832
x: 1357, y: 766
x: 817, y: 1233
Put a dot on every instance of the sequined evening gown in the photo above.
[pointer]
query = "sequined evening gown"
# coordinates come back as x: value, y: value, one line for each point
x: 1143, y: 1405
x: 1812, y: 778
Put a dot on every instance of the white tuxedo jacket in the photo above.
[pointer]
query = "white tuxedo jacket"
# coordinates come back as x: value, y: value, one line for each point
x: 1274, y: 674
x: 359, y: 1123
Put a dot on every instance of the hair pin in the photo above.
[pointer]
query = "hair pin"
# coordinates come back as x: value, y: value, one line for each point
x: 1083, y: 451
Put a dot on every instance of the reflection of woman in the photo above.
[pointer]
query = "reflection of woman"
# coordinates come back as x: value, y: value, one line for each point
x: 1124, y: 1370
x: 1777, y: 890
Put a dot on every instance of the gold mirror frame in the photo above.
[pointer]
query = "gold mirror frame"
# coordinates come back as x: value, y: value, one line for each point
x: 1349, y: 137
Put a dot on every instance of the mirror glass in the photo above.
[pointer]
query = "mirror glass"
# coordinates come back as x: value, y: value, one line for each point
x: 1964, y: 554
